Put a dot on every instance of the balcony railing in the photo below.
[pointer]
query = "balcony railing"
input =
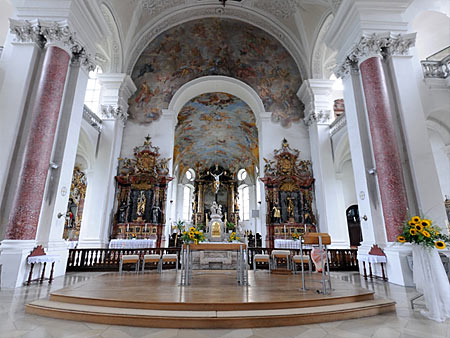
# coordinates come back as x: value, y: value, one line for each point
x: 90, y: 117
x: 437, y: 66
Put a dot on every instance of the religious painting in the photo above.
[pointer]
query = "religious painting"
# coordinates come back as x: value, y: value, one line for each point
x: 214, y: 46
x: 216, y: 128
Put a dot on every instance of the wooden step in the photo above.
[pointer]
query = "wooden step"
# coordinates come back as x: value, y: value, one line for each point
x: 281, y: 271
x: 208, y: 319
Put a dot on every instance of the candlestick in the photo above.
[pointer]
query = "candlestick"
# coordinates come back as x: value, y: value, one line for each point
x: 128, y: 228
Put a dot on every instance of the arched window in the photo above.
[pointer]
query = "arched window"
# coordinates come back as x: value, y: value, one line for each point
x: 244, y: 203
x: 92, y: 97
x: 187, y: 203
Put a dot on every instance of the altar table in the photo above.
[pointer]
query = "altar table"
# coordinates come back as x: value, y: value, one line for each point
x: 132, y: 243
x: 372, y: 259
x: 186, y: 260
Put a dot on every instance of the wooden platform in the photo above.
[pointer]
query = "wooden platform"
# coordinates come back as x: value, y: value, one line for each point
x: 214, y: 300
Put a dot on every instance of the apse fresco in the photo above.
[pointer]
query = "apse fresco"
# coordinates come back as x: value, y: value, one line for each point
x: 215, y: 47
x: 216, y: 128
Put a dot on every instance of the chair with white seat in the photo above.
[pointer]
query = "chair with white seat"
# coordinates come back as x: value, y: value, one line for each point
x: 151, y: 258
x: 129, y: 259
x: 166, y: 258
x: 281, y: 254
x: 261, y: 258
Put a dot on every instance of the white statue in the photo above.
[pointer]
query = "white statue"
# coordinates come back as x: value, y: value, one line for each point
x: 216, y: 209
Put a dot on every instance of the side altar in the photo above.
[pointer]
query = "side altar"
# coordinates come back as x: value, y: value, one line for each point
x: 289, y: 196
x: 141, y: 195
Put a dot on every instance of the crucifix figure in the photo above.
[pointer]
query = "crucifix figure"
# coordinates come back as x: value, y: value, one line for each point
x: 216, y: 178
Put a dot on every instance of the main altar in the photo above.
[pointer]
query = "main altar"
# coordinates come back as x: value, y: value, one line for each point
x: 141, y: 195
x: 288, y: 182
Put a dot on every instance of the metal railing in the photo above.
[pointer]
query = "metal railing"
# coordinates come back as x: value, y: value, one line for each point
x: 340, y: 259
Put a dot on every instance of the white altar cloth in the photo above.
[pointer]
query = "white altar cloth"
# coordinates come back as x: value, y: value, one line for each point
x: 287, y: 244
x: 132, y: 243
x: 43, y: 259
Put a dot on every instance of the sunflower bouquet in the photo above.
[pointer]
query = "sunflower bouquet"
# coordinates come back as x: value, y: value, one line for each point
x: 233, y: 237
x: 193, y: 235
x: 295, y: 236
x: 423, y: 232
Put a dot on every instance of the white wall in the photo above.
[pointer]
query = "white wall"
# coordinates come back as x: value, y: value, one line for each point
x: 6, y: 11
x: 348, y: 185
x: 442, y: 161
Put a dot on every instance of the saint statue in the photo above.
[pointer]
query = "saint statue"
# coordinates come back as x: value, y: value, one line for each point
x: 155, y: 216
x: 141, y: 204
x: 276, y: 213
x: 290, y: 206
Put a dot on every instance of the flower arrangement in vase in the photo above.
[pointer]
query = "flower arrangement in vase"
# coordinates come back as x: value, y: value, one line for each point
x: 194, y: 235
x: 295, y: 236
x: 233, y: 237
x: 423, y: 232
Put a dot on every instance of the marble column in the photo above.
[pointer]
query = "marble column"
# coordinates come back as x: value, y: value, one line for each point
x: 24, y: 217
x: 385, y: 149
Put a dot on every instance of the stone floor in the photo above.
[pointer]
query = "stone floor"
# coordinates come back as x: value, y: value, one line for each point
x: 405, y: 323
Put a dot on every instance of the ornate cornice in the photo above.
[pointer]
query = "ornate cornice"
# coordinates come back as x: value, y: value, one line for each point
x: 92, y: 119
x: 155, y: 7
x: 26, y: 31
x: 49, y: 32
x: 321, y: 117
x: 282, y: 9
x: 114, y: 112
x: 381, y: 45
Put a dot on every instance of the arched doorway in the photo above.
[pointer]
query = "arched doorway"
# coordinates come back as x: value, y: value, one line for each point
x: 354, y: 226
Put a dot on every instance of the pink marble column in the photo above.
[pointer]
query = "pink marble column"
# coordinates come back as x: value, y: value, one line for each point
x: 24, y: 217
x: 384, y: 142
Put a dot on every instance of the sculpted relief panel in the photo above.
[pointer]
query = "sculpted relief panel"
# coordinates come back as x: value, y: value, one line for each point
x: 216, y: 47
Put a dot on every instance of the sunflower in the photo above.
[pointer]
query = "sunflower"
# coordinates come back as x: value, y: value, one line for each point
x: 413, y: 232
x: 401, y: 239
x: 425, y: 223
x: 197, y: 232
x: 415, y: 219
x: 411, y: 223
x: 418, y: 227
x: 439, y: 244
x: 426, y: 233
x: 185, y: 232
x: 191, y: 229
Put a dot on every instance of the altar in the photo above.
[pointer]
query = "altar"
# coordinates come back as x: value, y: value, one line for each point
x: 188, y: 251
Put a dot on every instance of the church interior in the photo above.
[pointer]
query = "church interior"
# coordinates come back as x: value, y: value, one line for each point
x: 225, y: 168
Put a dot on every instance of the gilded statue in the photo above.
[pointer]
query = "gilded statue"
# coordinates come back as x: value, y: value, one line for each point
x: 276, y: 213
x: 141, y: 204
x: 290, y: 206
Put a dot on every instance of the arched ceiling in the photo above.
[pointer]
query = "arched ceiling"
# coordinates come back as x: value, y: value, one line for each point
x: 216, y: 128
x: 214, y: 46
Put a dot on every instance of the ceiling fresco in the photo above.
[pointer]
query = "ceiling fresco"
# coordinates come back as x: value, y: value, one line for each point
x: 216, y: 47
x: 216, y: 128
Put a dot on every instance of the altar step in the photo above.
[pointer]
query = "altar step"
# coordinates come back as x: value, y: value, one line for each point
x: 208, y: 319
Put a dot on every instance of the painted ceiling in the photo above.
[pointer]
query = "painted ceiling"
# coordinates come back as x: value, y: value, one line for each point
x: 216, y: 128
x: 216, y: 47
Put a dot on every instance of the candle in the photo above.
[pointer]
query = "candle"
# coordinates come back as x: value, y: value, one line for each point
x: 145, y: 227
x: 285, y: 228
x: 128, y: 227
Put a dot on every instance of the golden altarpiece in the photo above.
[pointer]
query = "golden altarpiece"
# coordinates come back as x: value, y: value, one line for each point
x: 289, y: 195
x: 141, y: 194
x: 215, y: 185
x: 75, y: 205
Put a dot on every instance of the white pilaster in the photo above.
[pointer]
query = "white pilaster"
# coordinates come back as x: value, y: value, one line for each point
x: 420, y: 155
x: 20, y: 52
x: 100, y: 193
x: 316, y: 95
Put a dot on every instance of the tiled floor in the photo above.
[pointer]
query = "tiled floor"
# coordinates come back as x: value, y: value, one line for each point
x: 405, y: 323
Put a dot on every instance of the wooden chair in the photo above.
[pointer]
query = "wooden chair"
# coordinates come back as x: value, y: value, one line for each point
x: 299, y: 259
x: 166, y: 258
x: 152, y: 258
x: 129, y: 259
x: 283, y: 255
x: 261, y: 258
